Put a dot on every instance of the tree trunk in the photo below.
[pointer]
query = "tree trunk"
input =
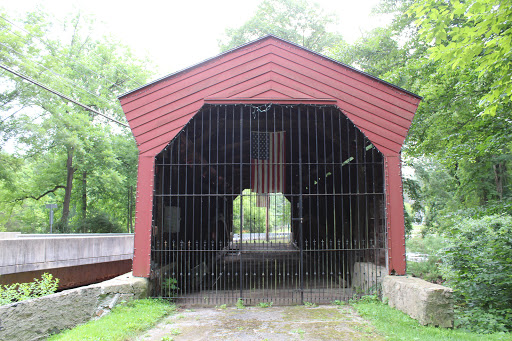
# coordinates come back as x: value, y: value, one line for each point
x: 84, y: 198
x: 500, y: 170
x: 69, y: 186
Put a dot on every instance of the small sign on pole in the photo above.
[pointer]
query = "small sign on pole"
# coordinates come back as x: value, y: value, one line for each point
x: 51, y: 207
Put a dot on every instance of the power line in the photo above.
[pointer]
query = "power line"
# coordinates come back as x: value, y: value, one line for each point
x: 62, y: 95
x: 58, y: 74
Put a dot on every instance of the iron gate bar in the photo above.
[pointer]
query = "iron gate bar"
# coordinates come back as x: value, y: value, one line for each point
x: 343, y: 190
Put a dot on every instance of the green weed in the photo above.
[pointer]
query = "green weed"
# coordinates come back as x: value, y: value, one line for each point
x: 123, y: 323
x: 240, y: 304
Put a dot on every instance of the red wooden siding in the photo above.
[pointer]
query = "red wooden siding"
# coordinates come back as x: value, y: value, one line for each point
x: 269, y: 70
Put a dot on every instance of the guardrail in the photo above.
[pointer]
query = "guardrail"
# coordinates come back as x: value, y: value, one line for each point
x: 23, y: 253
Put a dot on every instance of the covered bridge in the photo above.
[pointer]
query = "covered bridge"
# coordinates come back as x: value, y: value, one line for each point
x: 268, y: 173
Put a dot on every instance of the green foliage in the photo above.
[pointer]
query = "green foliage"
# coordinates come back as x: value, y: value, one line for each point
x: 428, y: 270
x: 24, y: 291
x: 240, y: 304
x: 64, y: 154
x: 170, y: 287
x: 338, y: 302
x: 99, y: 222
x: 310, y: 305
x: 469, y: 34
x: 265, y: 304
x: 430, y: 244
x: 298, y: 21
x: 478, y: 265
x: 123, y: 323
x: 395, y: 325
x: 254, y: 217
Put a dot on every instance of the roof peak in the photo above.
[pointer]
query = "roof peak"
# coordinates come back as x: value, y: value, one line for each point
x: 253, y: 42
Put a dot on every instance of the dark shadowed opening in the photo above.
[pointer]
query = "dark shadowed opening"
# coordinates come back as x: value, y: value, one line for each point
x: 309, y: 227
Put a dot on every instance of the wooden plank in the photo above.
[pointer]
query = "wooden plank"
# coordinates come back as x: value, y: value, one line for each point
x: 349, y: 86
x: 193, y: 76
x: 395, y: 215
x: 143, y: 217
x: 160, y: 124
x: 145, y: 122
x: 198, y: 82
x: 346, y: 70
x: 270, y: 86
x: 201, y: 68
x: 333, y: 90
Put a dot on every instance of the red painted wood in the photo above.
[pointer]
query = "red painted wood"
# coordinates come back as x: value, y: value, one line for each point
x: 319, y: 101
x: 143, y: 217
x: 269, y: 70
x: 165, y: 123
x: 203, y: 69
x: 340, y: 71
x: 197, y: 96
x: 395, y: 215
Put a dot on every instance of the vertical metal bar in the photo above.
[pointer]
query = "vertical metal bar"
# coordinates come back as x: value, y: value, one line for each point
x: 218, y: 242
x: 241, y: 199
x: 325, y: 197
x: 310, y: 256
x: 301, y: 239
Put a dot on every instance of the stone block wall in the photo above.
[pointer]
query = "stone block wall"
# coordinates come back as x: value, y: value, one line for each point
x: 365, y: 277
x: 430, y: 304
x: 38, y: 318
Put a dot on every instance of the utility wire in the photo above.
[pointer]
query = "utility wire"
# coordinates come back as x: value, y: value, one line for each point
x: 62, y: 95
x: 48, y: 46
x: 59, y: 75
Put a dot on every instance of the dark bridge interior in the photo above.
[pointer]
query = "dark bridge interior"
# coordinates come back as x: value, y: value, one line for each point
x: 332, y: 176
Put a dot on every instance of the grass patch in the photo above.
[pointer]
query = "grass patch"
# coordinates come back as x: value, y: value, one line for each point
x: 395, y: 325
x: 124, y: 322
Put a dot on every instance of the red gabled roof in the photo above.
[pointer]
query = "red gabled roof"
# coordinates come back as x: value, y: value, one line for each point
x: 272, y: 70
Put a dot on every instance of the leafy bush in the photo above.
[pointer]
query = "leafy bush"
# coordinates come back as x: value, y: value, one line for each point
x: 428, y: 270
x: 478, y: 265
x: 431, y: 245
x: 23, y: 291
x: 100, y: 222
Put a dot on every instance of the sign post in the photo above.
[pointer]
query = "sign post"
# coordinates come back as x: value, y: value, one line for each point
x: 51, y: 207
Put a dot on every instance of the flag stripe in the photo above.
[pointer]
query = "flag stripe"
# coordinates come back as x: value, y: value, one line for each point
x: 268, y: 162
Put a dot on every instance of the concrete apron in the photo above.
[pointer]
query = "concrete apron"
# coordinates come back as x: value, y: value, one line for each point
x: 256, y: 323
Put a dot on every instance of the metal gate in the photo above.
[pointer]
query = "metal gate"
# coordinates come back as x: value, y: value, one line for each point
x: 268, y: 203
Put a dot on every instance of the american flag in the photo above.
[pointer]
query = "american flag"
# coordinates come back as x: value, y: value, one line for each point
x: 267, y: 163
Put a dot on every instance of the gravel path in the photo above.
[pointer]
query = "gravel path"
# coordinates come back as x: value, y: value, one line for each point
x: 326, y: 322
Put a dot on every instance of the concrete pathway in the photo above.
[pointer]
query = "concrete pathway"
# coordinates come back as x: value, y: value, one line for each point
x: 257, y: 323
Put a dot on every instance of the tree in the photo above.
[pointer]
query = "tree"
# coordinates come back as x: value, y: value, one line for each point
x: 448, y: 129
x: 63, y: 144
x: 472, y: 34
x: 297, y: 21
x: 254, y: 217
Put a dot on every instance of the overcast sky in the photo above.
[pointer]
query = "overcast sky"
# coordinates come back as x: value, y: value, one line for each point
x: 178, y: 34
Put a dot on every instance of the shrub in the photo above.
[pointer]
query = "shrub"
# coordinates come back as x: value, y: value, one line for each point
x: 100, y: 222
x: 432, y: 245
x: 23, y: 291
x: 478, y: 265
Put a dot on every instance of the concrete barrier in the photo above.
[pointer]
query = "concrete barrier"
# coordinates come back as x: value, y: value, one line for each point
x: 38, y: 318
x: 24, y: 253
x: 430, y: 304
